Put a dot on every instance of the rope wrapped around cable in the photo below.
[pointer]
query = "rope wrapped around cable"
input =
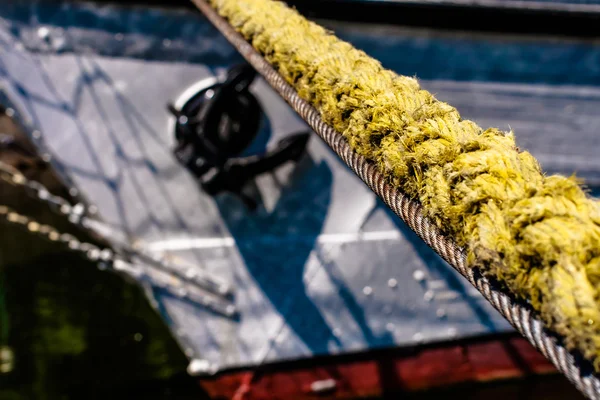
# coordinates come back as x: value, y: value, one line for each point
x: 373, y: 151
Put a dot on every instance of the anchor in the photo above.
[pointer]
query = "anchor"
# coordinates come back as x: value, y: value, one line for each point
x: 216, y: 125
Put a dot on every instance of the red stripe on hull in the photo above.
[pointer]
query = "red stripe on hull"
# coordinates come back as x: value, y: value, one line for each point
x: 377, y: 373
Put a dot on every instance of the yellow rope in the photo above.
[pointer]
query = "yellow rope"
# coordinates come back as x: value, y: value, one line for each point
x: 539, y: 235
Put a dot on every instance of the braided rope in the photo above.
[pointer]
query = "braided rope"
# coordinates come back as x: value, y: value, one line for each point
x: 578, y: 371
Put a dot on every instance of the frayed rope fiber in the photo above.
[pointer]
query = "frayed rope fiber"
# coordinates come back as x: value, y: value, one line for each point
x: 538, y: 235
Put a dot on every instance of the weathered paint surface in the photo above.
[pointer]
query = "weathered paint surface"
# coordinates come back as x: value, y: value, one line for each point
x: 378, y: 373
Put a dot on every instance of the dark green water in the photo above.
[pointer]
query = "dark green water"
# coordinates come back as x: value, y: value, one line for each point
x: 78, y: 332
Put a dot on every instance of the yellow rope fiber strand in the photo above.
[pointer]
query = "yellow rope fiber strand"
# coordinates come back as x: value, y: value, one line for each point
x: 539, y: 235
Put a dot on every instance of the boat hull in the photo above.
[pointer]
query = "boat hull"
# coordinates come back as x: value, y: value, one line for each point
x: 385, y: 372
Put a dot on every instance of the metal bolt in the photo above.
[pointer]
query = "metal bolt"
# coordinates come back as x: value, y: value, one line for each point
x: 43, y: 33
x: 428, y: 296
x: 418, y: 337
x: 419, y: 275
